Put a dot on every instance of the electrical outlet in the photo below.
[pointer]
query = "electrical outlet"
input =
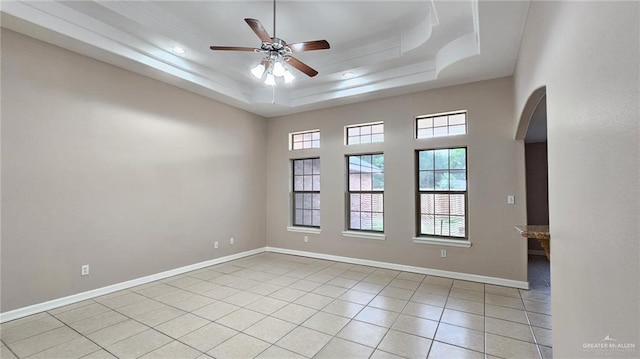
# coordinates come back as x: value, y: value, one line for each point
x: 215, y: 244
x: 443, y: 253
x: 85, y: 270
x: 511, y: 199
x: 306, y: 238
x: 231, y: 240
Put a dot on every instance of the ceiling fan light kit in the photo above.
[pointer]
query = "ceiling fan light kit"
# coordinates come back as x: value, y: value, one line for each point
x: 278, y: 52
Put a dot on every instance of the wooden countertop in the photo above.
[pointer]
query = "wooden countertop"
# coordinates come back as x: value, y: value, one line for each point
x: 534, y: 231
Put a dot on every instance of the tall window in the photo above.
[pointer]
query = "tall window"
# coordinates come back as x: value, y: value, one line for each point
x: 304, y: 140
x: 446, y: 124
x: 442, y: 192
x: 365, y: 133
x: 366, y: 192
x: 306, y: 192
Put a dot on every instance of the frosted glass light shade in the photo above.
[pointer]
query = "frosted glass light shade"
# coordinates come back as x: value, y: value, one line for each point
x: 258, y: 71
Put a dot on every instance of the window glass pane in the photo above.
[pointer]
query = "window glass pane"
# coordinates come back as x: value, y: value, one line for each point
x: 315, y: 144
x: 354, y: 140
x: 365, y: 202
x: 315, y: 136
x: 354, y: 164
x: 427, y: 224
x: 298, y: 167
x: 316, y: 166
x: 365, y: 182
x: 439, y: 121
x: 299, y: 200
x: 365, y: 139
x: 440, y: 131
x: 365, y: 130
x: 377, y: 203
x: 426, y: 180
x: 377, y: 128
x: 378, y: 181
x: 297, y: 145
x: 458, y: 119
x: 458, y: 130
x: 354, y: 201
x: 458, y: 158
x: 425, y: 159
x: 378, y: 162
x: 442, y: 204
x: 457, y: 204
x: 306, y: 220
x: 308, y: 183
x: 353, y: 131
x: 354, y: 182
x: 378, y: 137
x: 315, y: 218
x: 298, y: 183
x: 377, y: 222
x: 365, y: 220
x: 365, y: 162
x: 441, y: 159
x: 307, y: 136
x: 308, y: 167
x: 355, y: 220
x: 315, y: 199
x: 458, y: 227
x: 427, y: 203
x: 442, y: 225
x: 298, y: 217
x: 458, y: 180
x: 425, y: 133
x: 442, y: 180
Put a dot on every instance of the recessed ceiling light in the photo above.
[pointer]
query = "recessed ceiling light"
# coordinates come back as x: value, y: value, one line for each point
x: 348, y: 75
x: 178, y: 50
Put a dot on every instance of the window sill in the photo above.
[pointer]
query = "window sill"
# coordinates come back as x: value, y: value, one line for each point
x: 366, y: 235
x: 304, y: 230
x: 443, y: 242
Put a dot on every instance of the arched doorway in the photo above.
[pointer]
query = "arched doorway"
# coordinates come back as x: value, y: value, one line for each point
x: 533, y: 130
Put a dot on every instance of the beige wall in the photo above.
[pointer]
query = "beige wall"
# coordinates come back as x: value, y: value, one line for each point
x: 586, y: 54
x: 104, y: 167
x: 495, y: 169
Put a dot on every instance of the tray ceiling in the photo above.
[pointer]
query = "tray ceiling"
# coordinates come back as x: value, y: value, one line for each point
x: 390, y: 47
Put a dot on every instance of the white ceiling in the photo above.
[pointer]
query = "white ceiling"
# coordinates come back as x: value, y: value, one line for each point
x: 392, y: 47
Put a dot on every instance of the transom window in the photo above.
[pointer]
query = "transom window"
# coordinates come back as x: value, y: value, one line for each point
x: 366, y: 192
x: 448, y: 124
x: 442, y: 193
x: 306, y: 192
x: 304, y: 140
x: 365, y: 133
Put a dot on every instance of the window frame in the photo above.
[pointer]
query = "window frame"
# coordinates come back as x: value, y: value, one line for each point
x: 359, y: 125
x: 372, y: 191
x: 419, y: 192
x: 294, y: 192
x: 311, y: 132
x: 450, y: 113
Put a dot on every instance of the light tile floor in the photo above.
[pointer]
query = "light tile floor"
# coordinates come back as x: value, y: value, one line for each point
x: 281, y: 306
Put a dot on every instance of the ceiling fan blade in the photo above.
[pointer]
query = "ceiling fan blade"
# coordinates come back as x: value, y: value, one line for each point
x: 232, y: 48
x: 301, y: 66
x: 309, y: 46
x: 257, y: 27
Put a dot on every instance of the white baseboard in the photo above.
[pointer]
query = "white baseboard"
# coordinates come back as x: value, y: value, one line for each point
x: 52, y: 304
x: 406, y: 268
x: 535, y: 252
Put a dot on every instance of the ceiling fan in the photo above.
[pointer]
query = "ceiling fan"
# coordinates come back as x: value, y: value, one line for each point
x: 277, y: 52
